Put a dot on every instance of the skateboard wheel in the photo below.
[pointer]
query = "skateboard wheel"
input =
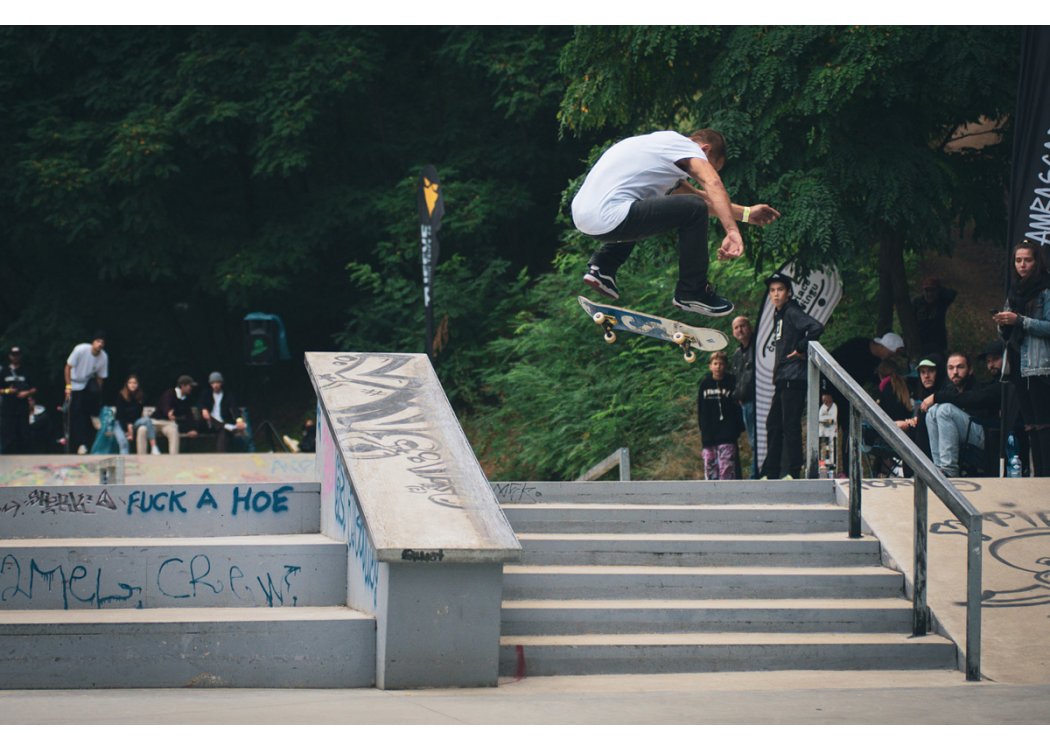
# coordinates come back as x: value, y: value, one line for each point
x: 610, y: 337
x: 678, y: 337
x: 690, y: 356
x: 598, y: 317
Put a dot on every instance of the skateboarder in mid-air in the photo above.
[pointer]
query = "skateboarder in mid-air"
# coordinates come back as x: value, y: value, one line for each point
x: 638, y: 189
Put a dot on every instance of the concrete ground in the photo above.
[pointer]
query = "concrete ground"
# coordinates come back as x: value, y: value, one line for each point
x: 1016, y: 641
x: 752, y: 698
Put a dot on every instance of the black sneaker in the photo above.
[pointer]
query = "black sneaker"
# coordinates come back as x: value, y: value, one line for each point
x: 603, y: 282
x: 706, y: 302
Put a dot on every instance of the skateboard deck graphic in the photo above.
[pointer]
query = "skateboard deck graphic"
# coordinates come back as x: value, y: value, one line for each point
x: 612, y: 318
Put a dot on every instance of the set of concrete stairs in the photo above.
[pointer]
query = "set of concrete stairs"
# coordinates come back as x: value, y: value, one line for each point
x: 189, y: 585
x: 660, y: 577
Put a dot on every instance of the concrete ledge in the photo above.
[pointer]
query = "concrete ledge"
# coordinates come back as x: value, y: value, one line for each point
x: 425, y: 535
x: 301, y: 647
x: 160, y: 510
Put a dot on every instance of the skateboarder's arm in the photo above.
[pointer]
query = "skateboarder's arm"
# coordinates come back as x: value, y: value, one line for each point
x: 718, y: 201
x: 760, y: 214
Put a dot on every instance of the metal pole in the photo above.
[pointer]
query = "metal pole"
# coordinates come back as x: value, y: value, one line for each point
x: 854, y: 473
x: 812, y: 407
x: 974, y: 542
x: 919, y: 613
x: 625, y: 465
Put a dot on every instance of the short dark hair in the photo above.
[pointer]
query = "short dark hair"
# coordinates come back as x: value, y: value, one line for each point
x: 713, y: 139
x: 969, y: 364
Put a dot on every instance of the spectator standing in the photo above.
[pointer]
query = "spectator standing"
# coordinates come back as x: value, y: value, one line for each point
x: 721, y: 421
x: 1024, y: 324
x: 86, y: 369
x: 793, y: 329
x: 41, y: 428
x: 220, y: 413
x: 828, y: 431
x: 956, y: 414
x: 130, y: 420
x: 176, y: 412
x: 16, y: 390
x: 931, y: 311
x: 743, y: 367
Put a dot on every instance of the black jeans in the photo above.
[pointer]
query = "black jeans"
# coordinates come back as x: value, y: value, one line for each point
x: 82, y: 405
x: 784, y: 430
x: 653, y: 216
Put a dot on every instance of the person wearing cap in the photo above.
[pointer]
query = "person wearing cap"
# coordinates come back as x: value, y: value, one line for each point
x: 860, y: 358
x: 175, y: 412
x: 15, y: 392
x: 929, y: 382
x: 220, y: 413
x: 793, y: 329
x: 931, y: 312
x: 957, y: 414
x: 87, y: 367
x: 638, y: 188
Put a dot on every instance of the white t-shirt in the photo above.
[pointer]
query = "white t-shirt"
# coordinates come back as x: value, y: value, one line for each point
x: 633, y: 169
x: 84, y: 365
x: 828, y: 417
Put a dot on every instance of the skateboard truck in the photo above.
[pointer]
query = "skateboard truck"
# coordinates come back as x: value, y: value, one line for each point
x: 683, y: 342
x: 606, y: 322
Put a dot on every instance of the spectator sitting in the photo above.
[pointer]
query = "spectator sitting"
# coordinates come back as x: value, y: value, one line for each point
x: 721, y: 421
x: 954, y: 414
x: 176, y: 412
x: 928, y: 383
x: 130, y: 420
x: 931, y: 311
x: 220, y: 413
x: 895, y: 399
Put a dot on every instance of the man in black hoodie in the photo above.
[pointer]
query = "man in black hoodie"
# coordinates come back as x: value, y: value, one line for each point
x: 954, y: 414
x: 793, y: 329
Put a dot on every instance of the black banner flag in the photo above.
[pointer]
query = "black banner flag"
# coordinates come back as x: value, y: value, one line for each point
x: 1030, y: 181
x: 431, y: 206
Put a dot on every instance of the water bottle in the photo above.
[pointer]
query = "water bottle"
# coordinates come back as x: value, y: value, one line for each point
x: 1013, y: 458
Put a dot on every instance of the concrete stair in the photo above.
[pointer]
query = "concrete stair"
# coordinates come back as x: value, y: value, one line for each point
x: 651, y: 577
x: 120, y: 586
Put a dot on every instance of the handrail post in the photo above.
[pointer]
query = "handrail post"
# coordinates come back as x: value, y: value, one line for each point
x: 625, y: 464
x: 919, y: 613
x: 812, y: 414
x: 974, y: 539
x: 854, y: 473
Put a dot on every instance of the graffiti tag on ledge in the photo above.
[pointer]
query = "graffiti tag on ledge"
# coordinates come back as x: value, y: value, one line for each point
x: 418, y: 555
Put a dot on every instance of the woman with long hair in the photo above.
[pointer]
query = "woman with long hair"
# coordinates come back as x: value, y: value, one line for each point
x: 130, y: 419
x: 1024, y: 324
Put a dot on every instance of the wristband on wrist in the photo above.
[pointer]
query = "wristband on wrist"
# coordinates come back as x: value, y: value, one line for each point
x: 747, y: 214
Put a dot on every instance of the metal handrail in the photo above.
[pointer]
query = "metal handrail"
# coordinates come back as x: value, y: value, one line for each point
x: 927, y: 476
x: 620, y: 457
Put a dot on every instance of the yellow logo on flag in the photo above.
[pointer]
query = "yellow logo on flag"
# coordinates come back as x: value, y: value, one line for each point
x: 430, y: 193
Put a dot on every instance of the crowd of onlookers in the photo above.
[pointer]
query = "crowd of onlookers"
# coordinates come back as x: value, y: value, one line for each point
x: 89, y: 426
x: 990, y: 423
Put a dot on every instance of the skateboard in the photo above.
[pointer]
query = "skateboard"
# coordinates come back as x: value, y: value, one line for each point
x: 687, y: 338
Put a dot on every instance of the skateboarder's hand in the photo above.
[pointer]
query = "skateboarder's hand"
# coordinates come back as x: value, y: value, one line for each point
x: 762, y: 214
x: 732, y: 246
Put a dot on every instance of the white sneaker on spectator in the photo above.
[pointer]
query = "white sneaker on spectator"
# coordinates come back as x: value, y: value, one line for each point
x: 155, y: 451
x: 82, y: 450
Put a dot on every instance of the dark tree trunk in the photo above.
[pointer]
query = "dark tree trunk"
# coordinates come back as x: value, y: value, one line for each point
x: 894, y: 291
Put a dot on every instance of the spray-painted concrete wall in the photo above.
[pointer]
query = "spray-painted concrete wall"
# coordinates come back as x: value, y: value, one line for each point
x: 426, y: 537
